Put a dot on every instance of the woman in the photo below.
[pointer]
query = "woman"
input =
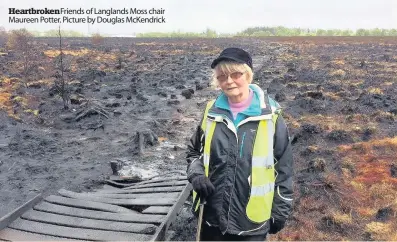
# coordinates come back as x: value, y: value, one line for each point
x: 240, y: 157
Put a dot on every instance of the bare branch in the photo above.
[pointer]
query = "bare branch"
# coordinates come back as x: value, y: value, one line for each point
x: 61, y: 83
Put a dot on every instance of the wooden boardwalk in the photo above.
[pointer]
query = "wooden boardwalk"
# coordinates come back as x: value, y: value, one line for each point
x: 140, y: 211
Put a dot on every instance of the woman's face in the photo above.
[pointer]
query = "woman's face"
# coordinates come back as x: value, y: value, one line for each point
x: 234, y: 85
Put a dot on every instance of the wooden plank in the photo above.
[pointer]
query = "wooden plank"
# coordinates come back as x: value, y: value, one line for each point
x: 119, y: 185
x: 69, y: 221
x: 161, y: 231
x: 88, y: 204
x: 158, y: 184
x: 83, y: 213
x: 178, y: 178
x: 130, y: 196
x: 157, y: 210
x: 108, y: 187
x: 148, y: 190
x: 124, y: 202
x: 18, y: 235
x: 8, y: 218
x: 74, y: 233
x: 125, y: 179
x: 141, y: 184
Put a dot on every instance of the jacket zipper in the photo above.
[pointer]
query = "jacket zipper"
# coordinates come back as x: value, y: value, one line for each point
x: 242, y: 144
x: 235, y: 168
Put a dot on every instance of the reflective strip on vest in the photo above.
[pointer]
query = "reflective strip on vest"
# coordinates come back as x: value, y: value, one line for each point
x: 262, y: 190
x: 267, y: 161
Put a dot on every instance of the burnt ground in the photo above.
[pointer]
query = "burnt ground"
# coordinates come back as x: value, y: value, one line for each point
x: 336, y: 93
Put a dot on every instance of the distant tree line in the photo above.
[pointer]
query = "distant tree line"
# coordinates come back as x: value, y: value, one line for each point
x: 249, y: 32
x: 276, y: 31
x: 208, y: 33
x: 283, y: 31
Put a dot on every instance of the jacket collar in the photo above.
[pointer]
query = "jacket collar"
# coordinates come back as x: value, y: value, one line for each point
x: 259, y: 106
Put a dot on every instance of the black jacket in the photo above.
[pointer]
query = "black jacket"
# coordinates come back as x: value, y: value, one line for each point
x: 230, y: 167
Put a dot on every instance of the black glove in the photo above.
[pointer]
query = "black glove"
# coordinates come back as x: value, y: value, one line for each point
x: 276, y: 225
x: 202, y: 185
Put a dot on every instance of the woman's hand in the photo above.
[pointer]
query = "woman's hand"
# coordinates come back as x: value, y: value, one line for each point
x: 202, y: 185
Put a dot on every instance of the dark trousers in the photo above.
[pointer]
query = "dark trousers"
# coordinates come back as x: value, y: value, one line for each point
x: 209, y: 233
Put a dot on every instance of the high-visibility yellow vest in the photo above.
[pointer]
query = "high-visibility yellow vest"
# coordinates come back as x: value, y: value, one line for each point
x: 263, y: 173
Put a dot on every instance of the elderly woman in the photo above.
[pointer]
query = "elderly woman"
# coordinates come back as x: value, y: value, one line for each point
x: 240, y: 157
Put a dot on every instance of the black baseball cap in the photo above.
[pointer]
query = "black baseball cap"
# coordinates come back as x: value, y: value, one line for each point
x: 233, y: 54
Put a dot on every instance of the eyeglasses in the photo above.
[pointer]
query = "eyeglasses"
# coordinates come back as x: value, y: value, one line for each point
x: 234, y: 75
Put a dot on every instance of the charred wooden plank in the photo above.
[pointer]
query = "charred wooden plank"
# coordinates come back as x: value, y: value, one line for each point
x: 8, y: 218
x: 74, y: 233
x: 107, y: 187
x: 88, y: 204
x: 125, y: 202
x: 83, y: 213
x: 148, y: 190
x: 131, y: 196
x: 125, y: 179
x: 177, y: 178
x: 18, y: 235
x: 161, y: 231
x: 118, y: 185
x: 70, y: 221
x: 157, y: 184
x: 157, y: 210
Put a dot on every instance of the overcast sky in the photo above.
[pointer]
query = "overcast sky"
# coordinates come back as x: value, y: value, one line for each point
x: 225, y: 16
